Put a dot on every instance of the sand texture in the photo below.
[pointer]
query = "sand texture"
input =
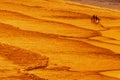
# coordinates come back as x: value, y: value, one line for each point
x: 56, y: 40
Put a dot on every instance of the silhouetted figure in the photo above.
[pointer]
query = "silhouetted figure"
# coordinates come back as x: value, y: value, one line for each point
x: 95, y: 19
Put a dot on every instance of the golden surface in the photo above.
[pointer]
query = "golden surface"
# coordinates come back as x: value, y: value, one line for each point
x: 56, y: 40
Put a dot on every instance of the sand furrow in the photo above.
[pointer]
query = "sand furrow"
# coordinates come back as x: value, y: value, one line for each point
x: 56, y: 40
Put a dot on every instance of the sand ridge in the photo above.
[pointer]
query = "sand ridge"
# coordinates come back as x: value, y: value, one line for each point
x: 56, y: 40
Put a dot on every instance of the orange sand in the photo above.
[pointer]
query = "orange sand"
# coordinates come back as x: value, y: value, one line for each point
x: 56, y: 40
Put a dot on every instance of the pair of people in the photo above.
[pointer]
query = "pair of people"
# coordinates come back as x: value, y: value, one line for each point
x: 95, y: 19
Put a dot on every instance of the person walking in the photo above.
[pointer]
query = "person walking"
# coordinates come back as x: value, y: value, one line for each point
x: 95, y: 19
